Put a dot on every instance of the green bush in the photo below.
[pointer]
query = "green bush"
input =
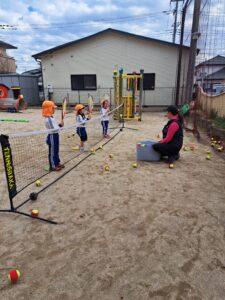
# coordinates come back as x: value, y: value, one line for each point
x: 219, y: 122
x: 213, y: 114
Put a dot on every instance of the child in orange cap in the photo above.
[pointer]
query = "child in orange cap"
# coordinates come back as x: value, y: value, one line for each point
x: 48, y: 109
x: 81, y: 124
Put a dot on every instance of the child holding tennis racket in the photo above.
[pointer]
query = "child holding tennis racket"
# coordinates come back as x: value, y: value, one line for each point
x: 81, y: 124
x: 105, y: 118
x: 48, y: 110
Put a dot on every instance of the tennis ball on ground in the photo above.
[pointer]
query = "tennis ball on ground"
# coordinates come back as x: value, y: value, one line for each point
x: 38, y: 183
x: 185, y: 148
x: 171, y: 166
x: 134, y: 165
x: 14, y: 275
x: 220, y: 149
x: 208, y: 157
x: 47, y: 168
x: 34, y: 212
x: 100, y: 147
x: 208, y: 151
x: 107, y: 168
x: 110, y: 155
x: 92, y: 150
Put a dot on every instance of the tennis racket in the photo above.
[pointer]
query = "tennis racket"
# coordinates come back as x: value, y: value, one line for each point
x: 63, y: 114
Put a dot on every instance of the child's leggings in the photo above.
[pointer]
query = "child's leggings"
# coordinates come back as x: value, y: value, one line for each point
x: 105, y: 125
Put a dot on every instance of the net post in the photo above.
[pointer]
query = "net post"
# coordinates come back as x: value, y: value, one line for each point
x: 141, y: 93
x: 9, y: 168
x: 121, y: 109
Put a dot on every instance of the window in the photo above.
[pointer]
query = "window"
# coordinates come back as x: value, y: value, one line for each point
x: 148, y: 82
x: 83, y: 82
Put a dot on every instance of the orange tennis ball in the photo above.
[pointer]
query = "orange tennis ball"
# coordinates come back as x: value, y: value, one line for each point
x: 14, y: 275
x: 34, y: 212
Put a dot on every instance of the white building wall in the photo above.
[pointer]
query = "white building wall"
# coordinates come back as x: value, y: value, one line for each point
x: 102, y: 54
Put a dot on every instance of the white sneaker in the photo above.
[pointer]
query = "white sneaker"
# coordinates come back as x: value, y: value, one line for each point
x: 83, y: 149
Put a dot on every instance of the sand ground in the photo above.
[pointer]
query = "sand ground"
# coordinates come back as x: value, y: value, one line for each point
x: 128, y: 234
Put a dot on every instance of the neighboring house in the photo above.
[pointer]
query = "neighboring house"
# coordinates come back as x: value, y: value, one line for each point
x: 27, y: 83
x: 210, y: 74
x: 86, y: 66
x: 7, y: 63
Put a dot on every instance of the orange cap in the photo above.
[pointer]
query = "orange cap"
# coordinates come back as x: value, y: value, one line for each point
x: 48, y: 108
x: 78, y: 107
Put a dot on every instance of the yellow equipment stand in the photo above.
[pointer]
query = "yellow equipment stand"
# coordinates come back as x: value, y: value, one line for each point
x: 126, y: 92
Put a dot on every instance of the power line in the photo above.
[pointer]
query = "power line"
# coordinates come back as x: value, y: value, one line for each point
x: 83, y: 23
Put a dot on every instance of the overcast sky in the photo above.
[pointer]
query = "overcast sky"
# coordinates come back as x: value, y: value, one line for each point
x: 40, y: 25
x: 35, y: 26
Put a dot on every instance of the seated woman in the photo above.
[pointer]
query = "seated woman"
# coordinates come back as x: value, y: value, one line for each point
x: 172, y: 140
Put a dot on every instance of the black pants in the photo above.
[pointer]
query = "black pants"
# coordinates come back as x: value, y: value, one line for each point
x: 167, y: 149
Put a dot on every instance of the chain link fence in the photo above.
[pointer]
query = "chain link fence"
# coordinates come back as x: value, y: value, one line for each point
x: 160, y: 96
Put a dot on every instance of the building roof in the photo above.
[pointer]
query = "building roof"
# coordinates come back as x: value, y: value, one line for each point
x: 217, y: 60
x: 7, y: 46
x: 34, y: 72
x: 49, y: 51
x: 219, y: 75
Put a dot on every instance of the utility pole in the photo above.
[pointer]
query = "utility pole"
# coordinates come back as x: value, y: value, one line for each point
x: 175, y: 21
x: 193, y: 51
x: 184, y: 11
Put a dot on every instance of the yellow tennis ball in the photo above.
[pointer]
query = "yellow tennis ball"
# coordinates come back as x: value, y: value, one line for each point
x: 100, y: 147
x: 107, y: 168
x: 110, y: 155
x: 171, y: 166
x: 38, y: 183
x: 92, y: 150
x: 134, y: 165
x: 208, y: 157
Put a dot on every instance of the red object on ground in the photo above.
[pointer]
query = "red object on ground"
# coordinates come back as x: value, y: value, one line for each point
x: 34, y: 213
x: 14, y: 275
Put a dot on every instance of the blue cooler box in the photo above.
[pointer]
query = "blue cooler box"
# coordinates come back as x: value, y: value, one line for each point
x: 146, y: 152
